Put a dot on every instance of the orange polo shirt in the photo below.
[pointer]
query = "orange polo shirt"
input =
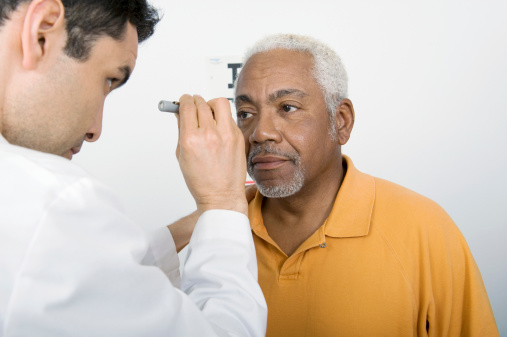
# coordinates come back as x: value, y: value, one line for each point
x: 386, y: 262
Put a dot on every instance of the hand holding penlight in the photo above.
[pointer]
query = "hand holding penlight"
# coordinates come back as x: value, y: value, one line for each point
x: 169, y: 106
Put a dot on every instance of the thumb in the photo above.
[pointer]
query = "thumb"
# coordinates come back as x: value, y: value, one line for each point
x: 250, y: 192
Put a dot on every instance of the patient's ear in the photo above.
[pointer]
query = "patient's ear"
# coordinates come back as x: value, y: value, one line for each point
x: 344, y: 120
x: 43, y: 31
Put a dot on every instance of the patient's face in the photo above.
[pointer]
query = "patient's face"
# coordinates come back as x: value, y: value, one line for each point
x: 283, y: 116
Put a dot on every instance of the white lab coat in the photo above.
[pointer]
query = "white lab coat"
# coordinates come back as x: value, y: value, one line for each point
x: 72, y: 263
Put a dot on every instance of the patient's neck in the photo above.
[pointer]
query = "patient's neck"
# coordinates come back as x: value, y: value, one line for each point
x: 291, y: 220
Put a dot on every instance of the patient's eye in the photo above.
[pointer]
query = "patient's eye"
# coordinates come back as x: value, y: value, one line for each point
x: 244, y: 114
x: 288, y: 108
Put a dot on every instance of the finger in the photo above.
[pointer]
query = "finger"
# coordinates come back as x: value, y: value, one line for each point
x: 188, y: 114
x: 204, y: 112
x: 250, y: 192
x: 222, y: 110
x: 178, y: 150
x: 177, y: 115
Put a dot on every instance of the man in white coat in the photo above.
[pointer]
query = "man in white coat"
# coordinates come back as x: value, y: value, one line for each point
x: 71, y: 262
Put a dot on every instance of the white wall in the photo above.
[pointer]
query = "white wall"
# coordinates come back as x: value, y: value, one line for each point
x: 428, y: 81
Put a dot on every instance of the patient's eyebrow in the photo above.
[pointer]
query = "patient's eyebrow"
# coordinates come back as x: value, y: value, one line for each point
x: 274, y: 96
x: 244, y: 99
x: 286, y: 92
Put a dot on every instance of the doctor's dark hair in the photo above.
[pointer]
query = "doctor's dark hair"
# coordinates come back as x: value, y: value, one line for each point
x: 88, y: 20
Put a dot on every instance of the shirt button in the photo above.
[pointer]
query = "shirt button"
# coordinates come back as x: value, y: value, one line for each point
x: 323, y: 245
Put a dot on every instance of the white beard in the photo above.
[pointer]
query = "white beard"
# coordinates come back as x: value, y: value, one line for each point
x: 279, y: 191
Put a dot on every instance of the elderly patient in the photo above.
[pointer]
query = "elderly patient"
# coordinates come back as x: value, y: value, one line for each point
x: 342, y: 253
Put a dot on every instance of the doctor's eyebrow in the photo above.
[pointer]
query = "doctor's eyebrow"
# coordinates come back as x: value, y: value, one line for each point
x: 126, y: 71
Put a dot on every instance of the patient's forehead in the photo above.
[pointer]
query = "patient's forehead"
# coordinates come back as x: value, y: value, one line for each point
x: 278, y: 69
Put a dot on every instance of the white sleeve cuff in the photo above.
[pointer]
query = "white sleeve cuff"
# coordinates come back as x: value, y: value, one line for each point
x: 218, y: 224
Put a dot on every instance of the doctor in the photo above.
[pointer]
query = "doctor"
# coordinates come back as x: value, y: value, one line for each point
x: 71, y: 262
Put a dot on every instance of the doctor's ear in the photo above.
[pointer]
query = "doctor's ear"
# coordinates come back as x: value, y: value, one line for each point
x: 43, y: 31
x: 344, y: 120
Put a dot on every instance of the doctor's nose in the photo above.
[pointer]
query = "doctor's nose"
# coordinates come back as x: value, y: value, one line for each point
x: 95, y: 130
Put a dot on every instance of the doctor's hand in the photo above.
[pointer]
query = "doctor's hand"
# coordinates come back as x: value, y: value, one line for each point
x: 211, y: 154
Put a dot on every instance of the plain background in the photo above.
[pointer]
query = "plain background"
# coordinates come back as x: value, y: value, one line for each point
x: 428, y: 81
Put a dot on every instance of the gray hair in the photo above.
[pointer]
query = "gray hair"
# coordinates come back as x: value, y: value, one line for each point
x: 328, y: 69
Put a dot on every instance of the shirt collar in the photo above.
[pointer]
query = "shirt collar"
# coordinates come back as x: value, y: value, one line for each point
x: 3, y: 140
x: 353, y: 207
x: 352, y: 210
x: 255, y: 216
